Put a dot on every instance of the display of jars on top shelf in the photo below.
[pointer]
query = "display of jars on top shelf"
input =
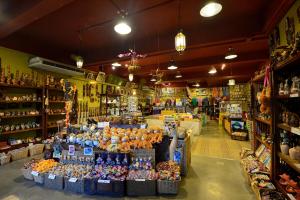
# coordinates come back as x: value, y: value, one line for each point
x: 289, y: 90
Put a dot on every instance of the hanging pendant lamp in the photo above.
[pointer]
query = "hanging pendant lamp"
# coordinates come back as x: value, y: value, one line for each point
x: 180, y: 40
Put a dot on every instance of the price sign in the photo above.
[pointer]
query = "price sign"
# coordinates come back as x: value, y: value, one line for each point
x: 143, y: 125
x: 72, y: 180
x: 141, y: 180
x: 294, y: 95
x: 104, y: 181
x: 34, y: 173
x: 51, y: 176
x: 88, y: 151
x: 71, y: 151
x: 102, y: 124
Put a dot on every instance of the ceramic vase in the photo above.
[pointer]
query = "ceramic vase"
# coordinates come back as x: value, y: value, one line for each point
x: 284, y: 149
x: 295, y: 153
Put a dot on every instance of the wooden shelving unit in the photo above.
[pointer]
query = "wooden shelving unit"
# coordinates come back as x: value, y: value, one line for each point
x: 269, y: 146
x: 282, y: 71
x: 268, y: 122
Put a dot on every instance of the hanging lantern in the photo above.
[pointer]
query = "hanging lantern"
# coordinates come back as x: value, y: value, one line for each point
x: 231, y: 82
x: 130, y: 77
x: 180, y: 43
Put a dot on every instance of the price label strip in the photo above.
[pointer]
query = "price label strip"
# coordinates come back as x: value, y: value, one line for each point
x: 73, y: 180
x: 103, y: 181
x: 51, y: 176
x: 140, y: 180
x: 34, y: 173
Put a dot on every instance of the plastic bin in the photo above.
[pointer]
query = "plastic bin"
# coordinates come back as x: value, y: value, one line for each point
x: 56, y: 183
x: 90, y: 187
x: 75, y: 187
x: 141, y: 188
x: 111, y: 188
x: 168, y: 187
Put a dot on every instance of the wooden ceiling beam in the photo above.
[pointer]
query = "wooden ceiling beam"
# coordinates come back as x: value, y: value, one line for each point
x: 38, y: 11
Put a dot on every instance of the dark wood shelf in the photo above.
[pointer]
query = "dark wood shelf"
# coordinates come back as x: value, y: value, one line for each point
x: 57, y: 101
x: 55, y: 89
x: 286, y: 97
x: 21, y: 131
x: 259, y: 78
x: 11, y: 102
x: 19, y: 116
x: 56, y: 114
x: 269, y: 146
x: 19, y: 86
x: 53, y: 126
x: 268, y: 122
x: 281, y: 189
x: 17, y: 146
x: 292, y: 163
x: 292, y: 61
x: 288, y: 128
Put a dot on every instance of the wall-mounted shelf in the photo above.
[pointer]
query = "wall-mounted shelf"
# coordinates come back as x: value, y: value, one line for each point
x: 19, y: 116
x: 20, y: 131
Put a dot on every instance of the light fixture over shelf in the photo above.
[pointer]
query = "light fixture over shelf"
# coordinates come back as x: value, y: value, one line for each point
x: 211, y: 9
x: 122, y: 28
x: 130, y: 77
x: 115, y: 65
x: 196, y: 85
x: 223, y: 66
x: 231, y: 82
x: 180, y: 43
x: 79, y: 62
x: 213, y: 70
x: 172, y: 65
x: 231, y: 54
x: 153, y: 79
x: 178, y: 75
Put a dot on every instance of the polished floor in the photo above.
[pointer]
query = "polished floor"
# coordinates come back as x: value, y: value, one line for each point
x: 215, y: 174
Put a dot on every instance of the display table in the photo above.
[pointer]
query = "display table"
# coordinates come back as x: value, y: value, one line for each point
x: 158, y: 121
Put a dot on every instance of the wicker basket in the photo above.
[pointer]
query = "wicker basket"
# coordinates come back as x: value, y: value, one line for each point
x: 5, y: 159
x: 111, y: 188
x: 40, y: 179
x: 19, y: 154
x: 57, y: 183
x: 36, y: 149
x: 141, y: 188
x: 75, y: 187
x: 27, y: 173
x: 168, y: 187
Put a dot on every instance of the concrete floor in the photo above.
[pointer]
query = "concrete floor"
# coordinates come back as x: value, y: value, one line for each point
x: 209, y: 178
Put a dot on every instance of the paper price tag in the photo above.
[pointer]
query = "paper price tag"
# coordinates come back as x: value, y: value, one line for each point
x: 34, y: 173
x: 140, y: 180
x: 102, y: 124
x: 143, y: 125
x: 51, y: 176
x: 104, y: 181
x: 72, y: 180
x: 294, y: 95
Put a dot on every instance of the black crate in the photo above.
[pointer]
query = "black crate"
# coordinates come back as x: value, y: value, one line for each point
x: 141, y: 187
x: 90, y: 187
x: 75, y: 187
x: 111, y: 188
x: 57, y: 183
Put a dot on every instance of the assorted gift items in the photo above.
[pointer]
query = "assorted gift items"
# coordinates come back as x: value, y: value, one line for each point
x: 56, y: 98
x: 56, y: 111
x: 18, y: 113
x: 32, y: 97
x: 290, y: 184
x: 286, y: 89
x: 117, y: 139
x: 168, y: 170
x: 72, y: 171
x: 44, y: 166
x: 290, y: 118
x: 141, y: 168
x: 22, y: 126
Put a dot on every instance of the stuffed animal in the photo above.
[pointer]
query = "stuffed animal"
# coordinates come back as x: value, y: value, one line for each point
x: 145, y: 143
x: 105, y: 141
x: 114, y: 145
x: 125, y: 145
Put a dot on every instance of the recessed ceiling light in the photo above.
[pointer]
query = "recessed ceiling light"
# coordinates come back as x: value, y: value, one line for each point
x: 210, y: 9
x: 122, y: 28
x: 113, y: 67
x: 230, y: 54
x: 213, y: 70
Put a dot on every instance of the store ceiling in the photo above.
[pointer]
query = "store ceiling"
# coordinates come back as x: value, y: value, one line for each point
x: 50, y: 28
